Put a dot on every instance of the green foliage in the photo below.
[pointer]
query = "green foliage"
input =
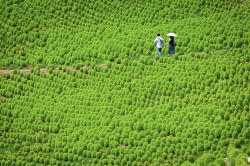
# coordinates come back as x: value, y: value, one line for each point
x: 236, y: 156
x: 237, y: 43
x: 220, y: 162
x: 207, y: 159
x: 64, y: 68
x: 87, y: 63
x: 182, y: 110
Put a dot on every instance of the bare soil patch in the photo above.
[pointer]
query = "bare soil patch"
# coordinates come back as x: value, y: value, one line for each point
x: 47, y: 72
x: 5, y: 71
x: 122, y: 145
x: 88, y: 67
x: 226, y: 161
x: 102, y: 65
x: 71, y: 68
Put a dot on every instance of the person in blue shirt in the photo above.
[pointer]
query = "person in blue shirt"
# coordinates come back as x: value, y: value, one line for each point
x: 158, y: 43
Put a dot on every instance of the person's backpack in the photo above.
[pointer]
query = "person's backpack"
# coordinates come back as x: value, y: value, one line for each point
x: 174, y: 43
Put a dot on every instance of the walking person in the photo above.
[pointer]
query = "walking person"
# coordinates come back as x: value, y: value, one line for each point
x: 171, y: 48
x: 171, y: 43
x: 158, y: 43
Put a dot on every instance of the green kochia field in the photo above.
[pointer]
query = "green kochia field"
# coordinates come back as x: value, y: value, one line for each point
x: 56, y: 33
x: 139, y: 113
x: 137, y: 109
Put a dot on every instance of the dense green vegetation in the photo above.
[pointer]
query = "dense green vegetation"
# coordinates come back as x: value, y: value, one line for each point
x: 146, y: 112
x: 186, y: 110
x: 66, y: 32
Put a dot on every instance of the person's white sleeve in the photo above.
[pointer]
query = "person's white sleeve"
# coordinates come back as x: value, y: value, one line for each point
x: 155, y: 40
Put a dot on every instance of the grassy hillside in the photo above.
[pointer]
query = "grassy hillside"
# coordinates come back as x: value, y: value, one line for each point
x: 183, y: 110
x: 66, y: 32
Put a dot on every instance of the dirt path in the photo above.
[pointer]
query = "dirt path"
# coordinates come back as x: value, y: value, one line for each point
x: 46, y: 71
x: 11, y: 71
x: 123, y: 146
x: 88, y: 67
x: 226, y: 161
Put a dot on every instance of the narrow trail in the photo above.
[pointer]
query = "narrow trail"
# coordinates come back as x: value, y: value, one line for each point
x: 226, y: 161
x: 46, y: 70
x: 88, y: 67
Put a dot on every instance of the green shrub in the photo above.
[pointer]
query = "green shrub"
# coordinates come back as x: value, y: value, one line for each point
x: 118, y: 60
x: 237, y: 43
x: 146, y: 113
x: 87, y: 63
x: 6, y: 75
x: 64, y: 68
x: 206, y: 159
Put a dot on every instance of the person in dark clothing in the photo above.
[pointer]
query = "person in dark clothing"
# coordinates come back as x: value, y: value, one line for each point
x: 171, y: 48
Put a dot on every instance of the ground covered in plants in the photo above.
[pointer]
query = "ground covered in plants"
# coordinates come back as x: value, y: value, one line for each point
x: 81, y: 83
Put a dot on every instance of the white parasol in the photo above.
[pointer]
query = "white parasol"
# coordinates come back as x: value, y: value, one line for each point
x: 172, y: 34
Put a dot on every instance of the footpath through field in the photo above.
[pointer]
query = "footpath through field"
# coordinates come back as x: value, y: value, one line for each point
x: 88, y: 67
x: 46, y: 70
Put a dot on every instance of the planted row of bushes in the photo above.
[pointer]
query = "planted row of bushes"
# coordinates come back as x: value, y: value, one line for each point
x: 167, y: 114
x: 65, y: 33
